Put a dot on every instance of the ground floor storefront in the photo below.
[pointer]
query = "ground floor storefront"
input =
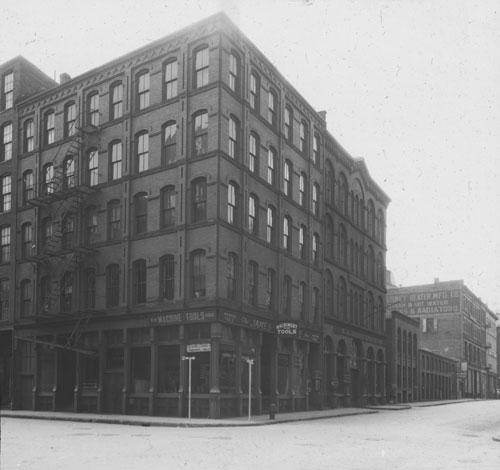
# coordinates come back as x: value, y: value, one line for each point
x: 354, y: 368
x: 142, y: 366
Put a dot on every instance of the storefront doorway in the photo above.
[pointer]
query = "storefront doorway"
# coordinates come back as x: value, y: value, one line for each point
x: 66, y: 380
x: 266, y: 360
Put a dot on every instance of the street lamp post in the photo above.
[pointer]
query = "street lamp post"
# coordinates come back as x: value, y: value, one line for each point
x: 250, y: 364
x: 189, y: 359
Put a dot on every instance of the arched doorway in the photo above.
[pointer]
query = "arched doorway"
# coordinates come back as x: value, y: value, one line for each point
x: 341, y: 371
x: 329, y: 374
x: 357, y: 373
x: 370, y: 373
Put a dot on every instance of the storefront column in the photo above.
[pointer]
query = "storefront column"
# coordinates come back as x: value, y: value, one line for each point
x: 78, y: 381
x: 153, y: 383
x: 126, y: 371
x: 258, y: 370
x: 102, y: 365
x: 238, y: 371
x: 214, y: 400
x: 183, y: 378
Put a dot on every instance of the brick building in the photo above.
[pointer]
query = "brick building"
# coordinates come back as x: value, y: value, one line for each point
x: 182, y: 201
x: 453, y: 323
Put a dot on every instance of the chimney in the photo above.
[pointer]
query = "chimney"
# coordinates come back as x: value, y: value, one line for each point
x: 64, y: 78
x: 322, y: 115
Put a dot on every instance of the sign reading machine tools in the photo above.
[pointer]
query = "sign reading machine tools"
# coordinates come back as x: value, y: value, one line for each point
x: 287, y: 329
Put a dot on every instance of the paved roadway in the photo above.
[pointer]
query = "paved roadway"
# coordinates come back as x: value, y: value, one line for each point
x: 454, y: 436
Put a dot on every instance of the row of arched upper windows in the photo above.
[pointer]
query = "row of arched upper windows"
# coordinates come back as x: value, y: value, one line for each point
x: 352, y: 204
x: 347, y: 303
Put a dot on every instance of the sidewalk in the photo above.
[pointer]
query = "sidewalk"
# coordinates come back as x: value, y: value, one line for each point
x: 258, y: 420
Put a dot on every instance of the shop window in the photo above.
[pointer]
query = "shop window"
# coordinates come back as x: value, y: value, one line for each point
x: 200, y: 373
x: 283, y: 374
x: 168, y: 369
x: 197, y: 331
x: 227, y: 368
x: 47, y: 367
x: 140, y: 369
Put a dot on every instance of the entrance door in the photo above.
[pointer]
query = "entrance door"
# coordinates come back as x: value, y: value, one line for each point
x: 66, y: 380
x: 113, y: 386
x: 355, y: 387
x: 266, y: 360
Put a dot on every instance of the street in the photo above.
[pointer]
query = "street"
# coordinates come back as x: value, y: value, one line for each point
x: 453, y: 436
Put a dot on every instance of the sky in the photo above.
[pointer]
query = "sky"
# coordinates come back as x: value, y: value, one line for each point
x: 411, y: 86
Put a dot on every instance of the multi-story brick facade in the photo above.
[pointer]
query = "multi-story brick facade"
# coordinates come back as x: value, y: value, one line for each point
x: 185, y: 201
x: 453, y: 323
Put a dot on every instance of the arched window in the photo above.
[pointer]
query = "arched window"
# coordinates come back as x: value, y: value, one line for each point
x: 66, y: 293
x: 201, y: 67
x: 343, y: 313
x: 70, y: 119
x: 287, y: 233
x: 371, y: 312
x: 315, y: 199
x: 26, y: 240
x: 89, y: 288
x: 287, y: 178
x: 170, y: 72
x: 253, y: 277
x: 315, y: 305
x: 234, y: 72
x: 49, y: 133
x: 141, y: 213
x: 329, y: 237
x: 200, y: 133
x: 380, y: 315
x: 142, y: 83
x: 272, y: 105
x: 271, y: 289
x: 329, y: 304
x: 303, y: 301
x: 198, y: 274
x: 254, y: 153
x: 93, y: 108
x: 28, y: 186
x: 167, y: 206
x: 46, y: 232
x: 343, y: 245
x: 233, y: 204
x: 68, y: 231
x: 116, y: 100
x: 169, y: 149
x: 302, y: 242
x: 26, y: 297
x: 316, y: 149
x: 199, y: 200
x: 315, y: 249
x: 344, y: 195
x: 255, y: 92
x: 271, y: 224
x: 68, y: 172
x: 49, y: 185
x: 287, y: 295
x: 234, y: 137
x: 167, y: 277
x: 232, y: 276
x: 93, y: 167
x: 371, y: 264
x: 288, y: 123
x: 330, y: 184
x: 139, y: 279
x: 142, y: 151
x: 90, y: 224
x: 371, y: 219
x: 114, y: 220
x: 253, y: 214
x: 271, y: 166
x: 380, y: 270
x: 115, y: 162
x: 304, y: 137
x: 381, y: 227
x: 112, y: 285
x: 29, y: 136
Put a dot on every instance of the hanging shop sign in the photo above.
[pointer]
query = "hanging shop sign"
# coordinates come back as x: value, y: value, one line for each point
x: 199, y: 347
x: 248, y: 322
x: 287, y: 329
x: 183, y: 317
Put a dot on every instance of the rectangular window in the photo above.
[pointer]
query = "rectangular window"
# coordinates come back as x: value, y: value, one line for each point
x: 116, y: 161
x: 253, y: 156
x: 199, y: 189
x: 4, y: 298
x: 231, y: 204
x: 169, y: 153
x: 168, y: 368
x: 201, y: 68
x: 28, y: 188
x: 254, y: 92
x: 252, y: 283
x: 93, y: 175
x: 143, y: 91
x: 271, y: 166
x: 26, y: 297
x: 270, y: 234
x: 70, y: 120
x: 8, y: 91
x: 200, y: 133
x: 271, y: 109
x: 143, y: 152
x: 114, y: 221
x: 50, y: 132
x: 6, y: 196
x: 6, y: 143
x: 167, y: 216
x: 90, y: 286
x: 198, y: 275
x: 167, y: 277
x: 117, y: 101
x: 113, y: 285
x: 252, y: 215
x: 140, y: 278
x: 171, y: 80
x: 29, y: 136
x: 233, y: 73
x: 5, y: 244
x: 94, y: 109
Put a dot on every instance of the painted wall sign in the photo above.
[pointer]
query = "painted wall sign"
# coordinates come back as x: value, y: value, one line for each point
x: 308, y: 335
x: 287, y: 329
x: 249, y: 322
x: 199, y: 347
x: 424, y: 303
x: 183, y: 317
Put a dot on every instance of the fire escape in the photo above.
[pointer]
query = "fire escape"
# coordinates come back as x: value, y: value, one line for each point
x: 61, y: 249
